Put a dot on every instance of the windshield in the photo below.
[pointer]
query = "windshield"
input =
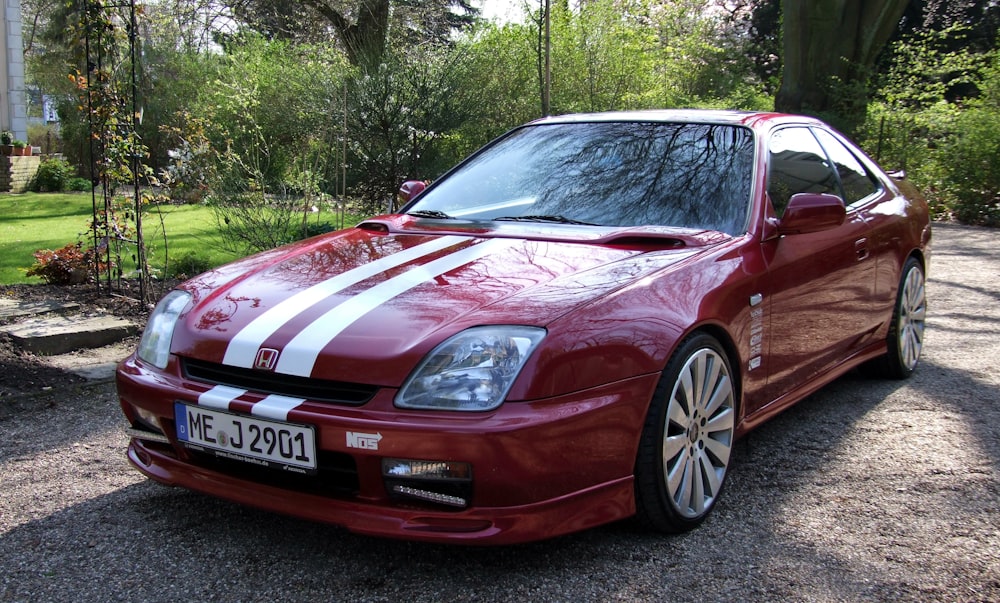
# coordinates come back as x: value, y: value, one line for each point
x: 608, y: 174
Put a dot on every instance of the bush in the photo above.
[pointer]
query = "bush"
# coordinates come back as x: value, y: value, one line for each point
x: 78, y: 185
x: 189, y: 264
x: 318, y: 228
x: 974, y: 169
x: 70, y: 265
x: 53, y: 176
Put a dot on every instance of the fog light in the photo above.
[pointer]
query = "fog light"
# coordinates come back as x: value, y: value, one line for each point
x: 148, y: 418
x: 402, y: 468
x: 442, y: 482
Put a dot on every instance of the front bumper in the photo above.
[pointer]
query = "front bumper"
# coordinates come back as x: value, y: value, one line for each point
x: 539, y: 469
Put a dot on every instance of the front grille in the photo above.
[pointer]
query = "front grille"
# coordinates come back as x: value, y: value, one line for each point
x: 318, y: 390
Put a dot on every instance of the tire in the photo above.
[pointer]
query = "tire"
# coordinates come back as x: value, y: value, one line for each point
x: 687, y: 438
x: 905, y: 340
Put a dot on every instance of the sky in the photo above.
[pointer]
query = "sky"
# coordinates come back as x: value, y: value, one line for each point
x: 501, y: 10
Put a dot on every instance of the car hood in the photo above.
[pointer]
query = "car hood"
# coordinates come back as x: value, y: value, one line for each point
x: 373, y: 300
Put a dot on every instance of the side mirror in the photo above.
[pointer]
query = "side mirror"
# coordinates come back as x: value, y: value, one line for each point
x: 812, y: 212
x: 409, y: 190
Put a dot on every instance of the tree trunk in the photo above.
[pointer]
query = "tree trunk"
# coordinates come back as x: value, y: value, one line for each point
x: 364, y: 41
x: 830, y: 47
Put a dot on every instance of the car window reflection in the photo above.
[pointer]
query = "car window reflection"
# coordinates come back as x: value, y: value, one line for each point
x: 610, y: 174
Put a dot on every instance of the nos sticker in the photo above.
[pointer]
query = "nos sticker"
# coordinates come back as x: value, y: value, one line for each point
x: 364, y: 441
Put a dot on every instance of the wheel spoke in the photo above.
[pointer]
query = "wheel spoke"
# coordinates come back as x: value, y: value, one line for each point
x: 683, y: 480
x: 719, y: 449
x: 698, y: 379
x: 712, y: 481
x: 721, y: 395
x: 697, y: 504
x: 711, y: 369
x: 672, y: 446
x: 722, y: 421
x: 677, y: 414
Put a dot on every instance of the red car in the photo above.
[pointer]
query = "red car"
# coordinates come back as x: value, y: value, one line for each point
x: 571, y: 327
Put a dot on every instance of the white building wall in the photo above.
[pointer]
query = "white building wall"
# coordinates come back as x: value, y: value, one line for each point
x: 13, y: 108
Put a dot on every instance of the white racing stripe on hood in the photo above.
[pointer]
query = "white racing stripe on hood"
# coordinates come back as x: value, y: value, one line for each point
x: 242, y: 348
x: 299, y: 356
x: 220, y: 396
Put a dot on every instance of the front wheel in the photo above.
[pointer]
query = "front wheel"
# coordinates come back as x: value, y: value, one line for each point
x: 906, y: 331
x: 687, y: 438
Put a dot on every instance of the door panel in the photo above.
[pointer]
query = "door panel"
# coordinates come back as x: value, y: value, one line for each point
x: 820, y: 285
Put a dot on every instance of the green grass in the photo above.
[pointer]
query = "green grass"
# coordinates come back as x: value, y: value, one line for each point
x: 34, y: 221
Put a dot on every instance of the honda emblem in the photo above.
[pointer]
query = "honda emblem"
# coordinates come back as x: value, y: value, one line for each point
x: 267, y: 359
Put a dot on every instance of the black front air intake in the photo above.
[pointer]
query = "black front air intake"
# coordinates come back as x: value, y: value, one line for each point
x: 316, y: 390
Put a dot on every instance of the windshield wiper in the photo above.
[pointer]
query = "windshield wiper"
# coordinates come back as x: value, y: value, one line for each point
x: 429, y: 213
x: 555, y: 219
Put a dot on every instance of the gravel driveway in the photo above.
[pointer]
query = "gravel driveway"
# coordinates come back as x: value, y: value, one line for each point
x: 867, y: 491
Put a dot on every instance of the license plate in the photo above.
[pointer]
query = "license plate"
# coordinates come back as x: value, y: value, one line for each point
x: 262, y: 442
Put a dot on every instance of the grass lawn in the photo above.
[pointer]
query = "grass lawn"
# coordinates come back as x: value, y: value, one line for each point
x: 34, y: 221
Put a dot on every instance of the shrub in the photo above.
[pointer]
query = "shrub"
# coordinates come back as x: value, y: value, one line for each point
x: 53, y: 176
x: 318, y: 228
x: 974, y: 169
x: 69, y: 265
x: 189, y: 264
x: 78, y: 185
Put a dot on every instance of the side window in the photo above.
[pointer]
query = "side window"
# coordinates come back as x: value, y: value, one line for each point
x: 857, y: 181
x: 797, y: 164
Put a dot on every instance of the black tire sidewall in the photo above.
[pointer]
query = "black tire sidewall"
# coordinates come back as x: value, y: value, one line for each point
x: 654, y: 506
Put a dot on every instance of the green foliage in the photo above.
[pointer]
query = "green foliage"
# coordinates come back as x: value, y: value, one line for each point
x: 973, y: 165
x: 53, y: 175
x: 400, y: 111
x: 189, y: 264
x: 499, y: 81
x: 268, y: 99
x: 948, y: 144
x: 603, y: 56
x: 79, y: 185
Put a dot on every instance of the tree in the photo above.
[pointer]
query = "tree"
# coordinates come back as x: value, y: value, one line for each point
x: 362, y: 27
x: 830, y: 48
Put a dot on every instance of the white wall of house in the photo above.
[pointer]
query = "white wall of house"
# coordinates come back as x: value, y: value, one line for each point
x: 13, y: 108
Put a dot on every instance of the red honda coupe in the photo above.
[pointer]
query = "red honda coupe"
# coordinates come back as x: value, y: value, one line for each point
x: 570, y: 327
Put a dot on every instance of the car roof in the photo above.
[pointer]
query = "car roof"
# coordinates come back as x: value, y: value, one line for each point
x: 754, y: 119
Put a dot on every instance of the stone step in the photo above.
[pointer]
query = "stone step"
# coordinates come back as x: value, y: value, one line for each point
x: 11, y: 309
x: 61, y: 334
x: 93, y: 364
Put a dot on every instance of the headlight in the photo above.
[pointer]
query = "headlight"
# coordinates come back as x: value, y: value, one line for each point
x: 154, y: 347
x: 473, y: 370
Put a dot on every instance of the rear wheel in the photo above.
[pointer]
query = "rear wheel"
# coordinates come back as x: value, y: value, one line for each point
x: 687, y: 438
x: 906, y: 332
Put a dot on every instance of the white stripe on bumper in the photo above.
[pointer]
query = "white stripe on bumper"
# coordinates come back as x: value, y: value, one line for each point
x: 220, y: 396
x: 275, y: 407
